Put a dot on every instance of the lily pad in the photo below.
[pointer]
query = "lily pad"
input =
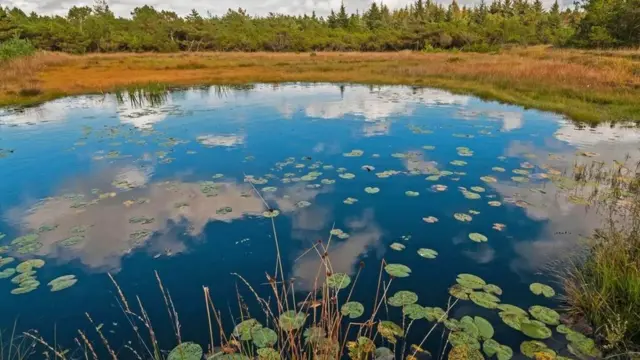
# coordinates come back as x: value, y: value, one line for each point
x: 62, y: 282
x: 470, y: 281
x: 458, y: 163
x: 520, y: 179
x: 542, y: 289
x: 390, y: 330
x: 7, y: 273
x: 402, y: 298
x: 512, y: 319
x: 347, y: 176
x: 489, y: 179
x: 22, y: 290
x: 469, y: 326
x: 244, y: 329
x: 314, y: 334
x: 264, y: 337
x: 465, y: 352
x: 397, y: 270
x: 484, y: 299
x: 291, y: 320
x: 353, y: 309
x: 498, y: 169
x: 266, y: 353
x: 484, y: 327
x: 411, y: 193
x: 430, y: 219
x: 397, y: 246
x: 6, y: 260
x: 338, y: 281
x: 350, y: 201
x: 354, y: 153
x: 535, y: 329
x: 471, y: 195
x: 545, y: 314
x: 458, y: 338
x: 460, y: 292
x: 372, y: 190
x: 494, y: 203
x: 492, y: 347
x: 427, y: 253
x: 478, y: 189
x: 186, y: 351
x: 531, y: 347
x: 28, y: 265
x: 435, y: 314
x: 462, y: 217
x: 493, y: 289
x: 477, y: 237
x: 414, y: 312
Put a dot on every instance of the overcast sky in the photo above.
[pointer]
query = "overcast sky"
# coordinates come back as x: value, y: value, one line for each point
x: 255, y: 7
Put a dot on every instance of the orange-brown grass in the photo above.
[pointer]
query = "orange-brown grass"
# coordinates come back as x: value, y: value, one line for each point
x: 591, y: 86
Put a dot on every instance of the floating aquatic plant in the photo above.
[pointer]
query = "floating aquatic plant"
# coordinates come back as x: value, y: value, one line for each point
x: 489, y: 179
x: 477, y: 237
x: 462, y: 217
x: 484, y: 299
x: 243, y: 330
x: 7, y: 273
x: 470, y: 281
x: 29, y: 265
x: 62, y: 282
x: 390, y: 331
x: 71, y: 241
x: 492, y: 347
x: 6, y: 260
x: 371, y: 190
x: 338, y: 281
x: 397, y: 246
x: 264, y: 337
x: 411, y: 193
x: 498, y: 169
x: 430, y: 219
x: 350, y: 201
x: 458, y: 163
x: 534, y: 329
x: 303, y: 204
x: 327, y: 181
x: 427, y: 253
x: 478, y: 189
x: 354, y: 153
x: 402, y: 298
x: 470, y: 195
x: 542, y: 289
x: 291, y: 320
x: 186, y: 351
x: 439, y: 187
x: 545, y: 314
x: 494, y: 203
x: 397, y: 270
x: 533, y: 347
x: 352, y: 309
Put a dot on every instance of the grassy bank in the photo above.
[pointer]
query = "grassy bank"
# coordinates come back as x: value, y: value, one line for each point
x: 587, y: 86
x: 603, y: 287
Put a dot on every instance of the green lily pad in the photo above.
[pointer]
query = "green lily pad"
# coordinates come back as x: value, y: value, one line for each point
x: 508, y: 308
x: 535, y: 329
x: 263, y: 337
x: 427, y: 253
x: 397, y: 246
x: 402, y: 298
x: 492, y: 347
x: 141, y: 220
x: 303, y: 204
x: 469, y: 326
x: 269, y: 189
x: 372, y: 190
x: 545, y: 314
x: 397, y: 270
x: 489, y: 179
x: 7, y: 273
x: 477, y: 237
x: 411, y: 193
x: 512, y: 319
x: 470, y: 281
x: 430, y: 219
x: 353, y: 309
x: 267, y: 353
x: 347, y: 176
x: 414, y: 311
x: 484, y: 299
x: 28, y: 265
x: 493, y: 289
x: 458, y: 163
x: 478, y: 189
x: 452, y: 324
x: 186, y: 351
x: 435, y: 314
x: 498, y: 169
x: 465, y: 352
x: 531, y: 347
x: 471, y: 195
x: 485, y: 328
x: 458, y: 338
x: 462, y: 217
x: 22, y: 290
x: 6, y: 260
x: 542, y: 289
x: 520, y: 179
x: 354, y: 153
x: 244, y: 329
x: 390, y: 330
x: 314, y: 334
x: 494, y: 203
x: 291, y: 320
x: 62, y: 282
x: 338, y: 281
x: 460, y: 292
x: 350, y: 201
x: 71, y: 241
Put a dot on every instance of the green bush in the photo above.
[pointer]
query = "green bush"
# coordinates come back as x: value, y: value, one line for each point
x: 15, y: 48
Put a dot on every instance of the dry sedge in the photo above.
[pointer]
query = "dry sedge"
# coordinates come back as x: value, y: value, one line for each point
x: 585, y: 85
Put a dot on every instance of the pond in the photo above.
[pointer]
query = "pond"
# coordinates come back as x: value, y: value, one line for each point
x: 180, y: 183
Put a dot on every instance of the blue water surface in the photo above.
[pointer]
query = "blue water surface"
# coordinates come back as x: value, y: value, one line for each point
x: 96, y: 162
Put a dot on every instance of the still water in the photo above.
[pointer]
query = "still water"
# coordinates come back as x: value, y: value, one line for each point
x: 112, y: 185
